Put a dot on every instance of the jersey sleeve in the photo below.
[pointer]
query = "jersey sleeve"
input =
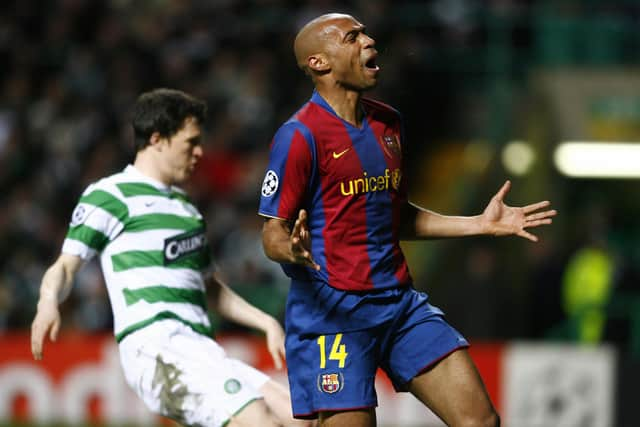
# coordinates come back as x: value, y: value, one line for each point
x: 291, y: 164
x: 96, y: 220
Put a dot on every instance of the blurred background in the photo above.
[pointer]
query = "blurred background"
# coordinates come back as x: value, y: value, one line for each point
x: 489, y: 90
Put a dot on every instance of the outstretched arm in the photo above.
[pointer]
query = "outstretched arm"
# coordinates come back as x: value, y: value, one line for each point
x: 498, y: 219
x: 233, y: 307
x: 286, y: 245
x: 56, y: 285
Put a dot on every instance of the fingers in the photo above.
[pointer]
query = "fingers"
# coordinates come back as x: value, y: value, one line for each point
x: 500, y: 195
x: 541, y: 215
x: 281, y: 356
x: 300, y: 242
x: 296, y: 228
x: 302, y: 215
x: 533, y: 224
x: 311, y: 263
x: 537, y: 223
x: 535, y: 206
x: 37, y: 337
x: 538, y: 219
x: 308, y: 261
x: 301, y: 223
x: 36, y: 348
x: 303, y: 256
x: 299, y: 232
x: 275, y: 343
x: 528, y: 236
x: 277, y: 360
x: 53, y: 334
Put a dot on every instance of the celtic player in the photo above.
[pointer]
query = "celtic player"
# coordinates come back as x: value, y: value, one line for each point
x: 155, y: 259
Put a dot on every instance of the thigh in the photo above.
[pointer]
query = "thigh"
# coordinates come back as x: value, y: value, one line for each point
x: 189, y: 378
x: 355, y: 418
x: 333, y: 372
x: 453, y: 389
x: 255, y: 413
x: 276, y: 397
x: 222, y: 386
x: 418, y: 340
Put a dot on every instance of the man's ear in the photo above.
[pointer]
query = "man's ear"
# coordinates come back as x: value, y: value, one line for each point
x: 155, y: 139
x: 319, y: 63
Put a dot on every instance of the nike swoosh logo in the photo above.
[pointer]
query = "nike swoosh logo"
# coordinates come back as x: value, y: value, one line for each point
x: 340, y: 154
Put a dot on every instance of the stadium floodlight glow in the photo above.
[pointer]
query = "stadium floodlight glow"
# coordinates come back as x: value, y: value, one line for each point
x: 598, y: 159
x: 518, y: 157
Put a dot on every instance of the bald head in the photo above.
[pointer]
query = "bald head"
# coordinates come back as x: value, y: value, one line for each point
x: 312, y: 38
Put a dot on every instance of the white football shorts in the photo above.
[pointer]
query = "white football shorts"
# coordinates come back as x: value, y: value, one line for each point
x: 187, y: 376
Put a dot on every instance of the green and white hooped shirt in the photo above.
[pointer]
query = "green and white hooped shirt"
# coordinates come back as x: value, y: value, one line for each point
x: 152, y: 246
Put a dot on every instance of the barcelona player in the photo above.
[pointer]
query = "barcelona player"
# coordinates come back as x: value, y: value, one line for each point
x: 335, y: 201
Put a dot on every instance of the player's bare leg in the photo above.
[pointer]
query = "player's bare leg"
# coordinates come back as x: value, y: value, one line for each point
x: 254, y: 414
x: 356, y: 418
x: 453, y: 390
x: 279, y: 402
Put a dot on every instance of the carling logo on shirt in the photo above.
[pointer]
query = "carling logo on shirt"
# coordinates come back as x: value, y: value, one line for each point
x: 182, y: 245
x: 367, y: 184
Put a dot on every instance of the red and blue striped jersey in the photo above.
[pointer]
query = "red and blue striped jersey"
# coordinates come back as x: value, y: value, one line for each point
x: 350, y: 181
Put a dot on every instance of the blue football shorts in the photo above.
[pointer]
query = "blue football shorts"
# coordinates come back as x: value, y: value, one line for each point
x: 337, y: 340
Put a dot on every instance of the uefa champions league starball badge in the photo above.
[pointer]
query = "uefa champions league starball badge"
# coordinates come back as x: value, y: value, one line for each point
x: 270, y: 184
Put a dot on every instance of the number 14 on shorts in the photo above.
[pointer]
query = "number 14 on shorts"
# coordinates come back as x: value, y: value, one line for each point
x: 338, y: 351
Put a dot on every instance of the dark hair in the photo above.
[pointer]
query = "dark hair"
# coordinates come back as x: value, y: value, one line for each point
x: 163, y: 111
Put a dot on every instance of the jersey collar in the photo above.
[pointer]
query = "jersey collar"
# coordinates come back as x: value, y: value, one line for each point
x: 139, y: 176
x: 316, y: 98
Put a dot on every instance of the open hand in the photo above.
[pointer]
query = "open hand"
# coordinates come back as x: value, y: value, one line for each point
x: 275, y: 342
x: 503, y: 220
x: 301, y: 242
x: 47, y: 320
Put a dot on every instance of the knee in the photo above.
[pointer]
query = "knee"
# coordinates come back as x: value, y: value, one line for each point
x: 254, y: 414
x: 301, y: 423
x: 490, y: 419
x: 493, y: 420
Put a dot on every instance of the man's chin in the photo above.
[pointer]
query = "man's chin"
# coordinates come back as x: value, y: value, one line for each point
x: 363, y: 87
x: 369, y: 86
x: 372, y: 85
x: 183, y: 178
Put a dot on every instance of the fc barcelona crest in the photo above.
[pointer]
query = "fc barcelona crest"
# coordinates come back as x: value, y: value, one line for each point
x: 391, y: 145
x: 330, y: 383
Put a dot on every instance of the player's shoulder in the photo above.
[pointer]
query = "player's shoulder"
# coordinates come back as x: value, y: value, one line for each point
x: 380, y: 109
x: 292, y: 126
x: 103, y: 193
x: 180, y: 193
x: 310, y: 116
x: 107, y: 184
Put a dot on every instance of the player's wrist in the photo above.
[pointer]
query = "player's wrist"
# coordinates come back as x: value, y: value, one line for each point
x: 48, y: 296
x: 483, y: 226
x: 269, y: 324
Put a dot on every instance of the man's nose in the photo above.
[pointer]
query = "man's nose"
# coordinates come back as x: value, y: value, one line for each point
x: 368, y: 41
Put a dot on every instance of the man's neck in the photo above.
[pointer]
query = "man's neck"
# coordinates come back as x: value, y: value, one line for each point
x: 345, y: 103
x: 145, y: 164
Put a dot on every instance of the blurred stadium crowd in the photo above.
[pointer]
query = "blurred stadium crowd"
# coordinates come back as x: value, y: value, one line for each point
x: 71, y: 69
